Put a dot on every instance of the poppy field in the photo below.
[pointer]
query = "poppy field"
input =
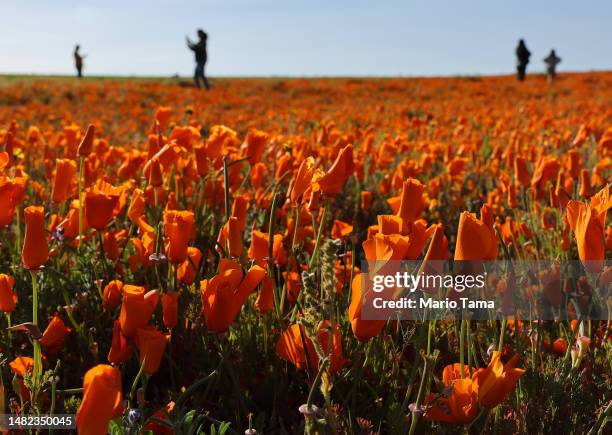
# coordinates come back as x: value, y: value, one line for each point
x: 175, y: 261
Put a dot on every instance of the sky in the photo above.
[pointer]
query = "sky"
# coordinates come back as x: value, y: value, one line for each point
x: 303, y: 37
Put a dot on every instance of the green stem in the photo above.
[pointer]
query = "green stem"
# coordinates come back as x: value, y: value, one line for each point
x: 37, y: 353
x: 81, y: 205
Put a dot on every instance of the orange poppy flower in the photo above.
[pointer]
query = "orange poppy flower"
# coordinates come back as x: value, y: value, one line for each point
x: 254, y: 145
x: 151, y: 344
x: 334, y: 179
x: 100, y: 204
x: 179, y: 229
x: 170, y: 309
x: 258, y: 251
x: 120, y: 350
x: 290, y: 347
x: 102, y: 400
x: 302, y: 179
x: 21, y: 365
x: 8, y: 200
x: 137, y: 205
x: 86, y: 146
x: 187, y: 270
x: 8, y: 298
x: 341, y: 229
x: 136, y: 308
x: 54, y: 336
x: 459, y: 405
x: 35, y: 248
x: 476, y: 238
x: 494, y: 383
x: 112, y: 294
x: 65, y: 170
x: 225, y: 293
x: 363, y: 329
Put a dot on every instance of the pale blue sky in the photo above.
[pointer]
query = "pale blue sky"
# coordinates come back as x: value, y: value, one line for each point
x: 303, y: 37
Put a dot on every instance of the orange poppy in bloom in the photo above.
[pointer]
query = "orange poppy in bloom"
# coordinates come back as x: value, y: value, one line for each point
x: 54, y: 336
x: 137, y: 205
x: 496, y: 381
x: 162, y: 116
x: 151, y: 344
x: 178, y: 228
x: 153, y: 172
x: 410, y: 204
x: 86, y: 146
x: 476, y: 238
x: 457, y: 405
x: 545, y: 171
x: 225, y: 293
x: 170, y: 309
x: 70, y: 225
x: 334, y: 179
x: 231, y: 233
x: 35, y: 248
x: 586, y: 224
x: 258, y: 251
x: 254, y: 145
x: 112, y: 294
x: 188, y: 269
x: 136, y: 308
x: 21, y: 365
x: 65, y: 170
x: 120, y: 350
x: 362, y: 329
x: 9, y: 191
x: 100, y: 204
x: 290, y: 347
x: 8, y: 298
x: 102, y: 400
x: 341, y: 229
x: 302, y: 179
x: 521, y: 173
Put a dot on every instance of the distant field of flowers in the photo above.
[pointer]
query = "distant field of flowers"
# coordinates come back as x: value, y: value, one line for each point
x: 176, y: 262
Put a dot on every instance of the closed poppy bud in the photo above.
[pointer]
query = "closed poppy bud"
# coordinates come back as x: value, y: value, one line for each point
x: 170, y: 309
x: 521, y: 173
x: 8, y: 298
x: 102, y: 400
x: 363, y: 329
x: 155, y: 178
x: 334, y: 179
x: 137, y: 205
x: 120, y: 350
x: 188, y: 269
x: 54, y: 336
x: 86, y: 145
x: 587, y: 226
x: 99, y: 207
x: 112, y: 294
x: 151, y: 344
x: 35, y: 248
x: 366, y: 200
x: 65, y: 171
x: 162, y: 116
x: 136, y: 309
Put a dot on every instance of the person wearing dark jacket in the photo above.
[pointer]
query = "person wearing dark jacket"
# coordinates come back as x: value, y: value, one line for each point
x: 201, y: 56
x: 78, y: 61
x: 522, y: 59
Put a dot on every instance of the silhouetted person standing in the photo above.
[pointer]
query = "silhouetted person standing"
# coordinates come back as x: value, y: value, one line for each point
x: 78, y: 61
x: 551, y: 65
x: 522, y: 59
x: 201, y: 56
